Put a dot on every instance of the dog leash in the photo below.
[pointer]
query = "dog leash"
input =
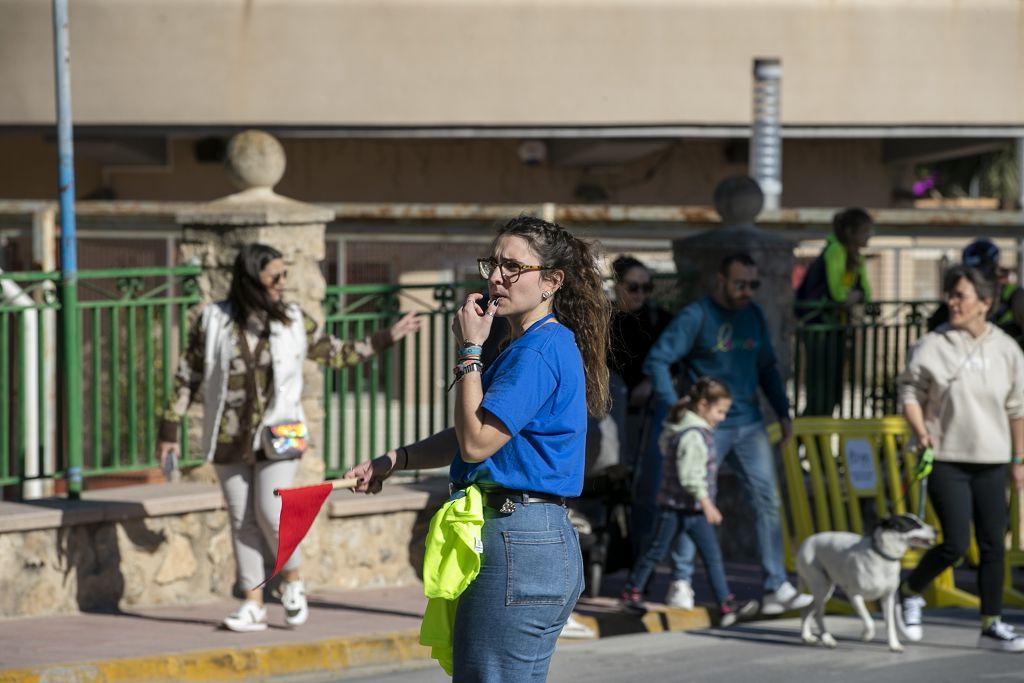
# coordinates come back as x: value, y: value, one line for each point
x: 921, y: 473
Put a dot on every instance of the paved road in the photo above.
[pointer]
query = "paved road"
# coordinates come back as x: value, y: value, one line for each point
x: 766, y: 652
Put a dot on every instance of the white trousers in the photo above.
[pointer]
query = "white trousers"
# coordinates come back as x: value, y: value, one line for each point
x: 255, y: 514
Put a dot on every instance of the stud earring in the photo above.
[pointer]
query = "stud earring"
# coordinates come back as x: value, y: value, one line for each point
x: 544, y: 295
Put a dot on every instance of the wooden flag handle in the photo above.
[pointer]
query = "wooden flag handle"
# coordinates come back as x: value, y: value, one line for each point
x: 335, y: 484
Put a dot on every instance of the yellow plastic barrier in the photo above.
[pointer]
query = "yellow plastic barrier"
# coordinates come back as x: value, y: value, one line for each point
x: 831, y: 466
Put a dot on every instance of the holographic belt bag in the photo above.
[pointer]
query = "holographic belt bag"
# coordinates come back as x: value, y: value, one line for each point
x: 285, y: 441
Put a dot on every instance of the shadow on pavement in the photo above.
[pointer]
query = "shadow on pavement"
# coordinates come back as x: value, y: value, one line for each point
x: 362, y: 608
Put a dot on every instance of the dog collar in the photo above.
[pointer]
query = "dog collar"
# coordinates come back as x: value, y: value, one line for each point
x: 874, y: 546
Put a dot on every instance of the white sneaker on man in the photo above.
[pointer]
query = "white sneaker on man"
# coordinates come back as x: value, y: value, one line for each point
x: 908, y: 617
x: 680, y: 595
x: 1001, y: 638
x: 783, y: 599
x: 293, y: 597
x: 251, y: 616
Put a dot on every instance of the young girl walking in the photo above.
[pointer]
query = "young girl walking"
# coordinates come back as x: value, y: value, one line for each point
x: 686, y: 497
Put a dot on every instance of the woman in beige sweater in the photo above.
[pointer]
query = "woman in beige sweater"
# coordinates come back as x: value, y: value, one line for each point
x: 963, y: 395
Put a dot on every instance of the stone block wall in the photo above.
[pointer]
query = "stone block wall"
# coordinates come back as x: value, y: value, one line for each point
x: 170, y: 544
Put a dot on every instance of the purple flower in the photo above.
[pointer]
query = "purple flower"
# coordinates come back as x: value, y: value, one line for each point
x: 922, y: 186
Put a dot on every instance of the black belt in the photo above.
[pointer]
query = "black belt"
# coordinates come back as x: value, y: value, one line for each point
x: 504, y: 500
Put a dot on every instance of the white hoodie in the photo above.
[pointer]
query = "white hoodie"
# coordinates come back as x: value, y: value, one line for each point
x: 969, y: 389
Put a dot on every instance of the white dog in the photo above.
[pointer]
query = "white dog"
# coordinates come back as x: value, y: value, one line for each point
x: 864, y: 567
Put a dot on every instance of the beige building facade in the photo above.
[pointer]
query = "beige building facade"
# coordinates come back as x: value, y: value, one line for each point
x: 598, y: 101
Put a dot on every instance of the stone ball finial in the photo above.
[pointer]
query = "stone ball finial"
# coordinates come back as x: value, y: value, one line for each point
x: 255, y: 159
x: 738, y: 200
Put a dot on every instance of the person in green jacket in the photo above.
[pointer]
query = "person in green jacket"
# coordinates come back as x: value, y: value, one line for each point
x: 834, y: 284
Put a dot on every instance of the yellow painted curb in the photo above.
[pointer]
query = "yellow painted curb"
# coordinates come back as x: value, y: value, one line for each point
x: 672, y: 619
x: 607, y: 624
x: 234, y: 664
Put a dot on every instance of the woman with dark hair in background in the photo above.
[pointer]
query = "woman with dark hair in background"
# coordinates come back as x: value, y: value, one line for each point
x: 635, y: 327
x: 835, y: 282
x: 248, y: 352
x: 636, y: 324
x: 518, y: 443
x: 962, y: 394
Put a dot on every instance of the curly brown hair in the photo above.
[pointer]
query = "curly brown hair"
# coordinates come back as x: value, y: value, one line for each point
x: 580, y: 304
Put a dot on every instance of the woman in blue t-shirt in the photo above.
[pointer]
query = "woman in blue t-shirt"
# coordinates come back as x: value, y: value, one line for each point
x: 519, y: 434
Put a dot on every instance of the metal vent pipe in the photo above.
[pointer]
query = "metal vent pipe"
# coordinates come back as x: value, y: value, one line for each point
x: 766, y: 135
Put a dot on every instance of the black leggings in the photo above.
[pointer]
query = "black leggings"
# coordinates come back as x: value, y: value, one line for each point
x: 961, y: 493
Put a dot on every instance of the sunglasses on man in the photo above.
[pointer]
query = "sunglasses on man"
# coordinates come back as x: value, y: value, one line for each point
x: 748, y: 285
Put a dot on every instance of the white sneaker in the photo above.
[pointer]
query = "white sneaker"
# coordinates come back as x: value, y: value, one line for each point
x: 785, y: 598
x: 680, y: 595
x: 909, y: 621
x: 1001, y: 637
x: 576, y: 629
x: 293, y: 597
x: 251, y: 616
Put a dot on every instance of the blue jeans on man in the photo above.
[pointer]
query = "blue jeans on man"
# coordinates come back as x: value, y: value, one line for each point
x: 747, y: 449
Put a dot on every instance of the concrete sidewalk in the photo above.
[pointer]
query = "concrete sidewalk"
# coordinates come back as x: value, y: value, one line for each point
x: 346, y: 630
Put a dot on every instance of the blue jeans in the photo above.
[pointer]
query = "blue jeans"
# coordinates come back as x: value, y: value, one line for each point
x: 749, y: 452
x: 673, y: 524
x: 508, y: 619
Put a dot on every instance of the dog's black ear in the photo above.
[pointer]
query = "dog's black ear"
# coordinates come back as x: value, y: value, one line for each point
x: 903, y: 523
x: 888, y: 523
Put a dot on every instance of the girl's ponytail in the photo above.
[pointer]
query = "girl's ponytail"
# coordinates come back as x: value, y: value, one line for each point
x: 704, y: 389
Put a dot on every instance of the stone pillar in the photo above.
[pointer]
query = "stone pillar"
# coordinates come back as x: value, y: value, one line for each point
x: 212, y: 234
x: 738, y: 201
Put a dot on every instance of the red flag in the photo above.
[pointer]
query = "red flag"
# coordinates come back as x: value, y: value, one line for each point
x: 299, y: 507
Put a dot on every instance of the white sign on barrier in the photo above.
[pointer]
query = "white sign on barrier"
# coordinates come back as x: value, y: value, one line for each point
x: 860, y: 463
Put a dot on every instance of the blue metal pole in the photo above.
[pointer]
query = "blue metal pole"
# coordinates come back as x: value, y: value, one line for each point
x: 68, y: 253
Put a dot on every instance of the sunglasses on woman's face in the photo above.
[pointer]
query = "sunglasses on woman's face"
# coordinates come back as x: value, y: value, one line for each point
x: 634, y: 287
x: 276, y: 278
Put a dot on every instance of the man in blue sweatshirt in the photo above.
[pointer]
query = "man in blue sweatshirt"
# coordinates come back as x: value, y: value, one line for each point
x: 725, y: 336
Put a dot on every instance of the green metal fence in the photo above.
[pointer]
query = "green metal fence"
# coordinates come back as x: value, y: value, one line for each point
x: 399, y: 395
x: 131, y: 330
x: 845, y: 363
x: 129, y: 323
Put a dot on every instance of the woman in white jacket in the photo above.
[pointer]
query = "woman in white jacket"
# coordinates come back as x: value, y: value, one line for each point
x: 963, y: 395
x: 248, y: 352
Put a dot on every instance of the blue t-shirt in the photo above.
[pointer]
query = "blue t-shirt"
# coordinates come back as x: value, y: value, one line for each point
x: 536, y: 388
x: 732, y: 346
